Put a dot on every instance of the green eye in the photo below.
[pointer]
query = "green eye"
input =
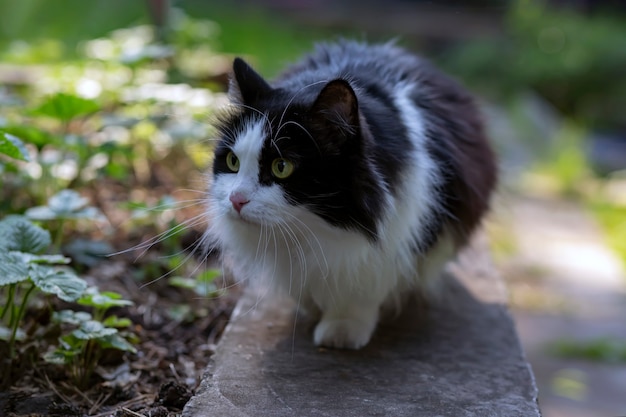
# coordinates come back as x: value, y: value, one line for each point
x: 232, y: 162
x: 282, y: 168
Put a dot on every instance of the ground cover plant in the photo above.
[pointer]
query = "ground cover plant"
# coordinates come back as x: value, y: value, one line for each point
x: 108, y: 305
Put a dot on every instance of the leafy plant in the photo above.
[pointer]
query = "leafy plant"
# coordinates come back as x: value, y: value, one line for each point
x: 601, y: 350
x: 13, y: 147
x: 81, y: 348
x: 203, y: 285
x: 24, y: 269
x: 63, y: 206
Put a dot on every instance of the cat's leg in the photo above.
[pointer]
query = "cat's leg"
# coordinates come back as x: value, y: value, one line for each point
x: 347, y: 325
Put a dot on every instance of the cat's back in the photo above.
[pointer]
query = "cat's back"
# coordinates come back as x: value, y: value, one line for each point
x: 361, y: 63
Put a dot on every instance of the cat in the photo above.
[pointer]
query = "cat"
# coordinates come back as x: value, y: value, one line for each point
x: 348, y: 182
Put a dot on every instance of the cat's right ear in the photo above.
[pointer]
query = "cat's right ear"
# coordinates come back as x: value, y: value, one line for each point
x: 246, y: 85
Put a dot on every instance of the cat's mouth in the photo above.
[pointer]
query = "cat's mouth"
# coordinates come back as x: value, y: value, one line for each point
x: 242, y: 217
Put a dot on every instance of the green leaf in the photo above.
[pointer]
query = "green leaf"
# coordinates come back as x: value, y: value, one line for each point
x: 6, y: 333
x: 61, y: 356
x: 62, y: 283
x: 183, y: 282
x: 117, y: 322
x: 40, y: 213
x: 67, y: 201
x: 92, y: 329
x: 104, y: 300
x: 70, y: 317
x: 18, y: 234
x: 65, y: 107
x: 66, y: 204
x: 12, y: 268
x: 116, y: 341
x: 88, y: 252
x: 30, y: 134
x: 43, y: 259
x: 13, y: 147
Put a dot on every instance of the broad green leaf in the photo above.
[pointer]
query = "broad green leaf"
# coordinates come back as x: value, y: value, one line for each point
x: 13, y: 147
x: 62, y: 283
x: 93, y: 329
x: 5, y: 334
x: 117, y: 322
x: 12, y: 268
x: 106, y: 299
x: 183, y: 282
x: 66, y: 107
x: 18, y: 234
x: 60, y: 356
x: 40, y: 213
x: 43, y: 259
x: 70, y: 317
x: 88, y: 252
x: 209, y: 275
x: 66, y: 204
x: 67, y: 201
x: 30, y: 134
x: 116, y: 341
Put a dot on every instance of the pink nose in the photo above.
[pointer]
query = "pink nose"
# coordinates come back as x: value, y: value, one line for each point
x: 238, y: 200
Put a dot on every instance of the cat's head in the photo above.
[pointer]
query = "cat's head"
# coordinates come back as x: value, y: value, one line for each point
x: 285, y: 150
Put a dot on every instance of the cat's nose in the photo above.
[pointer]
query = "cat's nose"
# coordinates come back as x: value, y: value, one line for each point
x: 238, y: 200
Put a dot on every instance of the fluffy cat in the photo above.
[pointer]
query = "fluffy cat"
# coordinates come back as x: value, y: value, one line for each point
x: 348, y: 182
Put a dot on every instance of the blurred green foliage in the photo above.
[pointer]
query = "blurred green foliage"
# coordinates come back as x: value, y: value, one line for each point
x: 574, y: 61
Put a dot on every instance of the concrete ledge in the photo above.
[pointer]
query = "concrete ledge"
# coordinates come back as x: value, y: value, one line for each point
x: 462, y: 359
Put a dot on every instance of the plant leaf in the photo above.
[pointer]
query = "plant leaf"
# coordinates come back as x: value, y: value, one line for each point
x: 62, y: 355
x: 63, y: 283
x: 12, y: 146
x: 104, y: 300
x: 117, y: 322
x: 66, y: 107
x: 29, y: 134
x: 5, y: 334
x: 116, y: 341
x: 18, y: 234
x: 43, y: 259
x: 67, y: 201
x: 70, y: 317
x: 92, y: 329
x: 40, y: 213
x: 12, y: 268
x: 88, y: 252
x: 182, y: 282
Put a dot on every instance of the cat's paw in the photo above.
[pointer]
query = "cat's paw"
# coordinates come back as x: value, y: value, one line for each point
x: 343, y: 333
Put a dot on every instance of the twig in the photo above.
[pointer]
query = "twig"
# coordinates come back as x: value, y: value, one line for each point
x: 132, y: 413
x: 53, y: 388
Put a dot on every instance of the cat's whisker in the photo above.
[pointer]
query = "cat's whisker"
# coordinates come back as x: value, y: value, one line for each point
x: 179, y: 228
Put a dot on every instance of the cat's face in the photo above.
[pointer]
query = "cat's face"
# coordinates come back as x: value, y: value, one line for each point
x: 285, y: 152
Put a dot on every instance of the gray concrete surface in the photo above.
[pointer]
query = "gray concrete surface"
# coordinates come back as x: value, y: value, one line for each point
x: 462, y: 358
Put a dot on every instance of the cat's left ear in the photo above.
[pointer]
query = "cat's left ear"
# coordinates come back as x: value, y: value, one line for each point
x: 336, y: 108
x: 246, y: 86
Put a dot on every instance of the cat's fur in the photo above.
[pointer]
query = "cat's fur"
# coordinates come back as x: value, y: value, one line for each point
x: 392, y: 174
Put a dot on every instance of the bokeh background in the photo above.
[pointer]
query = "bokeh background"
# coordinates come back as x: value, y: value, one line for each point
x: 550, y: 77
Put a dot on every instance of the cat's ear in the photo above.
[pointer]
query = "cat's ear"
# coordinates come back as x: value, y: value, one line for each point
x: 247, y: 85
x: 336, y: 109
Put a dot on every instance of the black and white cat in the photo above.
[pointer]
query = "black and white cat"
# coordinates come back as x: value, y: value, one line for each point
x: 348, y: 182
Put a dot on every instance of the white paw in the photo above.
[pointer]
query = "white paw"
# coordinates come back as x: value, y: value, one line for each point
x: 343, y: 333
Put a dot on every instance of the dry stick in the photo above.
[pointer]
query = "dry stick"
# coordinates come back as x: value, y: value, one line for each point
x: 53, y: 388
x: 132, y: 413
x: 98, y: 403
x: 123, y: 407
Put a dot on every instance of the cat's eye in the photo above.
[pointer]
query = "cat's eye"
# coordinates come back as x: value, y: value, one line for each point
x: 232, y: 162
x: 282, y: 168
